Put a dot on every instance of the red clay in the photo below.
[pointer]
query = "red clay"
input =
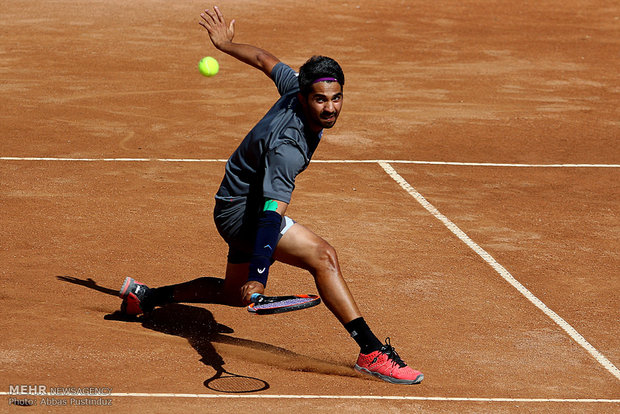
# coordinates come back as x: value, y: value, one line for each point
x: 530, y: 82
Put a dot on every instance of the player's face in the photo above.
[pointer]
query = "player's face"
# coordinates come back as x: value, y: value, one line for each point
x: 322, y: 106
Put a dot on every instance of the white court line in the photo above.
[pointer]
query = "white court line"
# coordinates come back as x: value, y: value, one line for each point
x: 332, y: 397
x: 502, y: 271
x: 190, y: 160
x: 66, y: 159
x: 471, y: 164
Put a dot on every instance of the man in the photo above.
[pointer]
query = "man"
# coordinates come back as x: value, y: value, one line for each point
x: 254, y: 195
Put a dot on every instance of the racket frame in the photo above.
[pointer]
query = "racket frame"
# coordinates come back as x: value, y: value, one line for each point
x: 258, y: 299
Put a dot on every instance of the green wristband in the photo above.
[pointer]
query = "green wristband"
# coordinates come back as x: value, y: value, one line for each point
x: 270, y: 205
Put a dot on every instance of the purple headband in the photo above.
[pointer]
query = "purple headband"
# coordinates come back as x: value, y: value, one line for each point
x: 325, y: 80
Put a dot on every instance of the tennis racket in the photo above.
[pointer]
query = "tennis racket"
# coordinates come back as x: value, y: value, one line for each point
x: 267, y: 305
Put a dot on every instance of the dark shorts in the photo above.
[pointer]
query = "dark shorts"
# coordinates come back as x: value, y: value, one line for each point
x: 237, y: 225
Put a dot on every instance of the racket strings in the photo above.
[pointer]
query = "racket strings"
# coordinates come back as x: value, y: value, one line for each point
x: 288, y: 302
x: 237, y: 384
x: 265, y: 305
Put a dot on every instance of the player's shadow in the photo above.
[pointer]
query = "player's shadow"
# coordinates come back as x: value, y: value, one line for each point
x: 193, y: 323
x: 201, y: 330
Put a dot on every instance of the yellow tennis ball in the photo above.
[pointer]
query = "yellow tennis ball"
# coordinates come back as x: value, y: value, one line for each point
x: 208, y: 66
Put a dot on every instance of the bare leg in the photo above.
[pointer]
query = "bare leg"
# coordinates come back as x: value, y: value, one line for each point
x: 302, y: 248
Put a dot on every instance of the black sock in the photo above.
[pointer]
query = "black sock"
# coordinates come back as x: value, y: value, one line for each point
x: 161, y: 296
x: 362, y: 334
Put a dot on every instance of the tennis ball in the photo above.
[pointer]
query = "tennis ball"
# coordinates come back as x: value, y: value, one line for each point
x: 208, y: 66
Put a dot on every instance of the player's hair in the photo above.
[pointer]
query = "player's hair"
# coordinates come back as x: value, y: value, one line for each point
x: 318, y: 67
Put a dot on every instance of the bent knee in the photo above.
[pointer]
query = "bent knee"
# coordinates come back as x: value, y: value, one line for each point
x: 326, y: 257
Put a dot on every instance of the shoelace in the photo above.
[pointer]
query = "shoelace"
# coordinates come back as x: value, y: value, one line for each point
x: 391, y: 353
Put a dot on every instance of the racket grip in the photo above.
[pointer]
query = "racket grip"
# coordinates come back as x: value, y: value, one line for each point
x: 255, y: 297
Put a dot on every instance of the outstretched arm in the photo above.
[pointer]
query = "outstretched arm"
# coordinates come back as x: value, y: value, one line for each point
x: 222, y: 35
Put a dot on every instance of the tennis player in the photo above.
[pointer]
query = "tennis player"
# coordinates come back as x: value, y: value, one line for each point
x: 255, y: 192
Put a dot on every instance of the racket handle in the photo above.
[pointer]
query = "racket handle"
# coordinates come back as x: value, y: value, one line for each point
x: 255, y: 297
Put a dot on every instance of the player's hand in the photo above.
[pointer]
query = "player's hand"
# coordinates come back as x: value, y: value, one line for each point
x: 215, y: 24
x: 249, y: 288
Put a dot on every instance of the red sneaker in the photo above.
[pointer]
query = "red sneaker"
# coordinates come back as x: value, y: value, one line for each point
x: 387, y: 365
x: 133, y: 294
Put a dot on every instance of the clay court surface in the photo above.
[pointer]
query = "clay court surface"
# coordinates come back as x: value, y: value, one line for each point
x: 503, y: 116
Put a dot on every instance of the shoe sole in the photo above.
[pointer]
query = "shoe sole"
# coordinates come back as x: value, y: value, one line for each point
x: 387, y: 378
x: 126, y: 285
